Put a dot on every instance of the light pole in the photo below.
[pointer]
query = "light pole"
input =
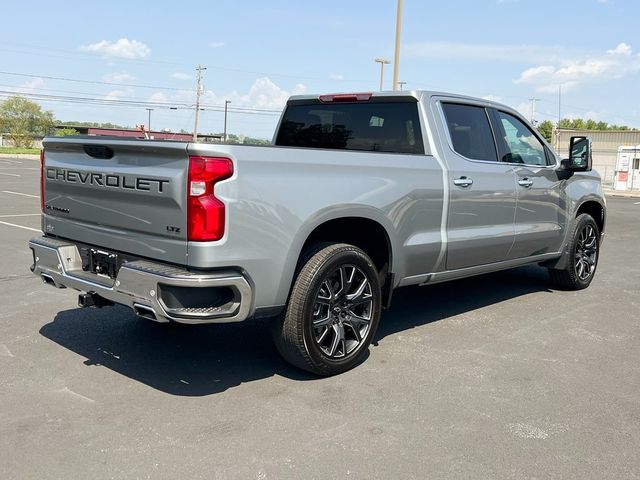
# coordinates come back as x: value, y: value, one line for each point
x: 396, y: 59
x: 226, y: 103
x: 149, y: 122
x: 402, y: 84
x: 382, y: 62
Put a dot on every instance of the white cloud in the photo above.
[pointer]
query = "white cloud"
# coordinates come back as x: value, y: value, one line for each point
x: 114, y: 95
x: 158, y: 97
x: 180, y: 76
x: 262, y: 94
x: 616, y: 63
x: 122, y: 48
x: 31, y: 86
x: 336, y: 76
x: 118, y: 77
x: 216, y: 44
x: 516, y: 53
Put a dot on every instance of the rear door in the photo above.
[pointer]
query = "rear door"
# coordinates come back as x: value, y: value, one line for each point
x: 122, y: 195
x: 540, y: 205
x: 482, y: 202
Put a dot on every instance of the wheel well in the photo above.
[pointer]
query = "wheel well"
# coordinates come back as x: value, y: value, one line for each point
x: 595, y: 210
x: 363, y: 233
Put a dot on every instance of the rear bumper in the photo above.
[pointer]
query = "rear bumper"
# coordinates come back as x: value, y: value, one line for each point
x: 149, y: 288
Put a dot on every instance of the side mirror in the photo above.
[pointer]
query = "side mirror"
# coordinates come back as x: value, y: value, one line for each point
x: 580, y: 155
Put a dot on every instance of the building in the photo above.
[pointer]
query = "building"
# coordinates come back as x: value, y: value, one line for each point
x: 606, y: 145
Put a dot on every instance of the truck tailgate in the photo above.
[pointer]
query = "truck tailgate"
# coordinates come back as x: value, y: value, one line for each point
x: 123, y: 195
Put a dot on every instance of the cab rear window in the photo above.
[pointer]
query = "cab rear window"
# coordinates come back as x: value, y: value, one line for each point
x: 371, y: 127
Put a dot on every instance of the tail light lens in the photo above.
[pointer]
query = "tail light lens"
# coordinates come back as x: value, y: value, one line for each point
x: 42, y: 180
x: 205, y: 213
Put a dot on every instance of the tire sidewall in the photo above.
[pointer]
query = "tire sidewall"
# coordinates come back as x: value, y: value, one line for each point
x: 347, y: 256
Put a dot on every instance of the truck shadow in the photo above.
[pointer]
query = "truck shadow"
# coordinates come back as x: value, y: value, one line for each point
x: 203, y: 360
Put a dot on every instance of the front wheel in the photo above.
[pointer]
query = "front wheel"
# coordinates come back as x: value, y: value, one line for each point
x: 333, y: 311
x: 583, y: 253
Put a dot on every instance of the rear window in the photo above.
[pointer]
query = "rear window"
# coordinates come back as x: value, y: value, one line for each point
x: 470, y: 131
x: 371, y: 127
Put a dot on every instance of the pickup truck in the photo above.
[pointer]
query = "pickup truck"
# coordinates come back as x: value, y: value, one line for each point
x: 358, y: 195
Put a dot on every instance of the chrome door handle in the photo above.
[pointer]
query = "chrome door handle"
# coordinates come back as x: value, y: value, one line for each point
x: 525, y: 182
x: 463, y: 182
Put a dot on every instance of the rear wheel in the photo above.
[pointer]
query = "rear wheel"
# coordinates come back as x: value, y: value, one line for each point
x: 583, y: 253
x: 333, y: 311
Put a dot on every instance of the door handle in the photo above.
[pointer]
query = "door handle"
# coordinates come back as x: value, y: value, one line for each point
x: 525, y: 182
x: 463, y: 182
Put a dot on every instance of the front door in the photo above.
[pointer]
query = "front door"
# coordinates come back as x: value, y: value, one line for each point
x: 540, y: 203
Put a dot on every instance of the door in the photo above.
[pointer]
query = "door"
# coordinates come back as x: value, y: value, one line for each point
x: 482, y: 198
x: 539, y: 216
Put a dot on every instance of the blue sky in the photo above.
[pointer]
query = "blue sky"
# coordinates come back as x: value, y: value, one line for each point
x: 259, y: 52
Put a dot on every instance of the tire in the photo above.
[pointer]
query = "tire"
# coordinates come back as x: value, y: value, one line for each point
x: 333, y: 311
x: 583, y: 253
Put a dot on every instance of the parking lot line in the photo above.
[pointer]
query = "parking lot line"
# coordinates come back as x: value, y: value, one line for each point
x: 21, y: 215
x: 19, y: 193
x: 21, y: 226
x: 10, y: 174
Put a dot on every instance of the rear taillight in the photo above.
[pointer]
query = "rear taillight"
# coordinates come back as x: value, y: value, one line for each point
x: 42, y: 179
x: 205, y: 213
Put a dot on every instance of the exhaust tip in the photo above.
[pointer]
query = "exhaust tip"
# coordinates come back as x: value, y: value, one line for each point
x: 144, y: 311
x: 48, y: 279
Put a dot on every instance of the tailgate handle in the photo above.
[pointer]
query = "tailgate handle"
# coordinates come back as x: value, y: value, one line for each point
x: 98, y: 151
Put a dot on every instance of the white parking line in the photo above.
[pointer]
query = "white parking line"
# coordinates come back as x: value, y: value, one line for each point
x: 20, y: 226
x: 10, y: 174
x: 21, y: 215
x: 22, y: 194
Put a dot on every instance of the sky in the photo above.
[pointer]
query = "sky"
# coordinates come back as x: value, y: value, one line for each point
x: 127, y: 56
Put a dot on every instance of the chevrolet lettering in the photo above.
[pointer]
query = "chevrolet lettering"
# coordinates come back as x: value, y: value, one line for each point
x: 106, y: 179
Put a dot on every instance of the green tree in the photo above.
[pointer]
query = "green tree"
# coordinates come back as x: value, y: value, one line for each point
x: 21, y: 118
x: 65, y: 132
x: 546, y: 130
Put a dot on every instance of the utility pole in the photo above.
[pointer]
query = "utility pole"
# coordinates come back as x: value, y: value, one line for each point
x: 199, y: 69
x: 559, y: 104
x: 149, y: 122
x: 396, y: 59
x: 226, y: 103
x: 402, y: 84
x: 382, y: 62
x: 533, y: 108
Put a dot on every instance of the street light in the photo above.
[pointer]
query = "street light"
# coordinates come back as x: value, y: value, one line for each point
x: 396, y: 59
x: 226, y: 103
x: 402, y: 84
x: 382, y: 62
x: 149, y: 123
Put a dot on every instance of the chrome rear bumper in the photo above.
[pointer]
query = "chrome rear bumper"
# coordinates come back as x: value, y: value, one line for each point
x: 145, y: 286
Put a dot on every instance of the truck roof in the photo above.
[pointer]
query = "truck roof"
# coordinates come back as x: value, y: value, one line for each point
x: 417, y: 94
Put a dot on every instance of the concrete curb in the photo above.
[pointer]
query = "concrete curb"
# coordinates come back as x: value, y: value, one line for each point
x: 621, y: 193
x: 29, y: 156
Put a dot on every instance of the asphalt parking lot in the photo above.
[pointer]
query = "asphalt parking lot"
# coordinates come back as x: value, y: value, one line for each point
x: 497, y: 376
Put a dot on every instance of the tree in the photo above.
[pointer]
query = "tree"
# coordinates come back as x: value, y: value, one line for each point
x: 65, y: 132
x: 589, y: 124
x: 21, y: 119
x: 546, y: 130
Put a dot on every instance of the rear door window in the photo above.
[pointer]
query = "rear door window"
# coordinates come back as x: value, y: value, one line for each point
x: 470, y: 131
x: 392, y: 127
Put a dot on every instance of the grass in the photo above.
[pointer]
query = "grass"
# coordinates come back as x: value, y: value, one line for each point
x: 16, y: 150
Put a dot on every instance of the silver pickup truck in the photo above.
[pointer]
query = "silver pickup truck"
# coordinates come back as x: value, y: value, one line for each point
x: 358, y: 195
